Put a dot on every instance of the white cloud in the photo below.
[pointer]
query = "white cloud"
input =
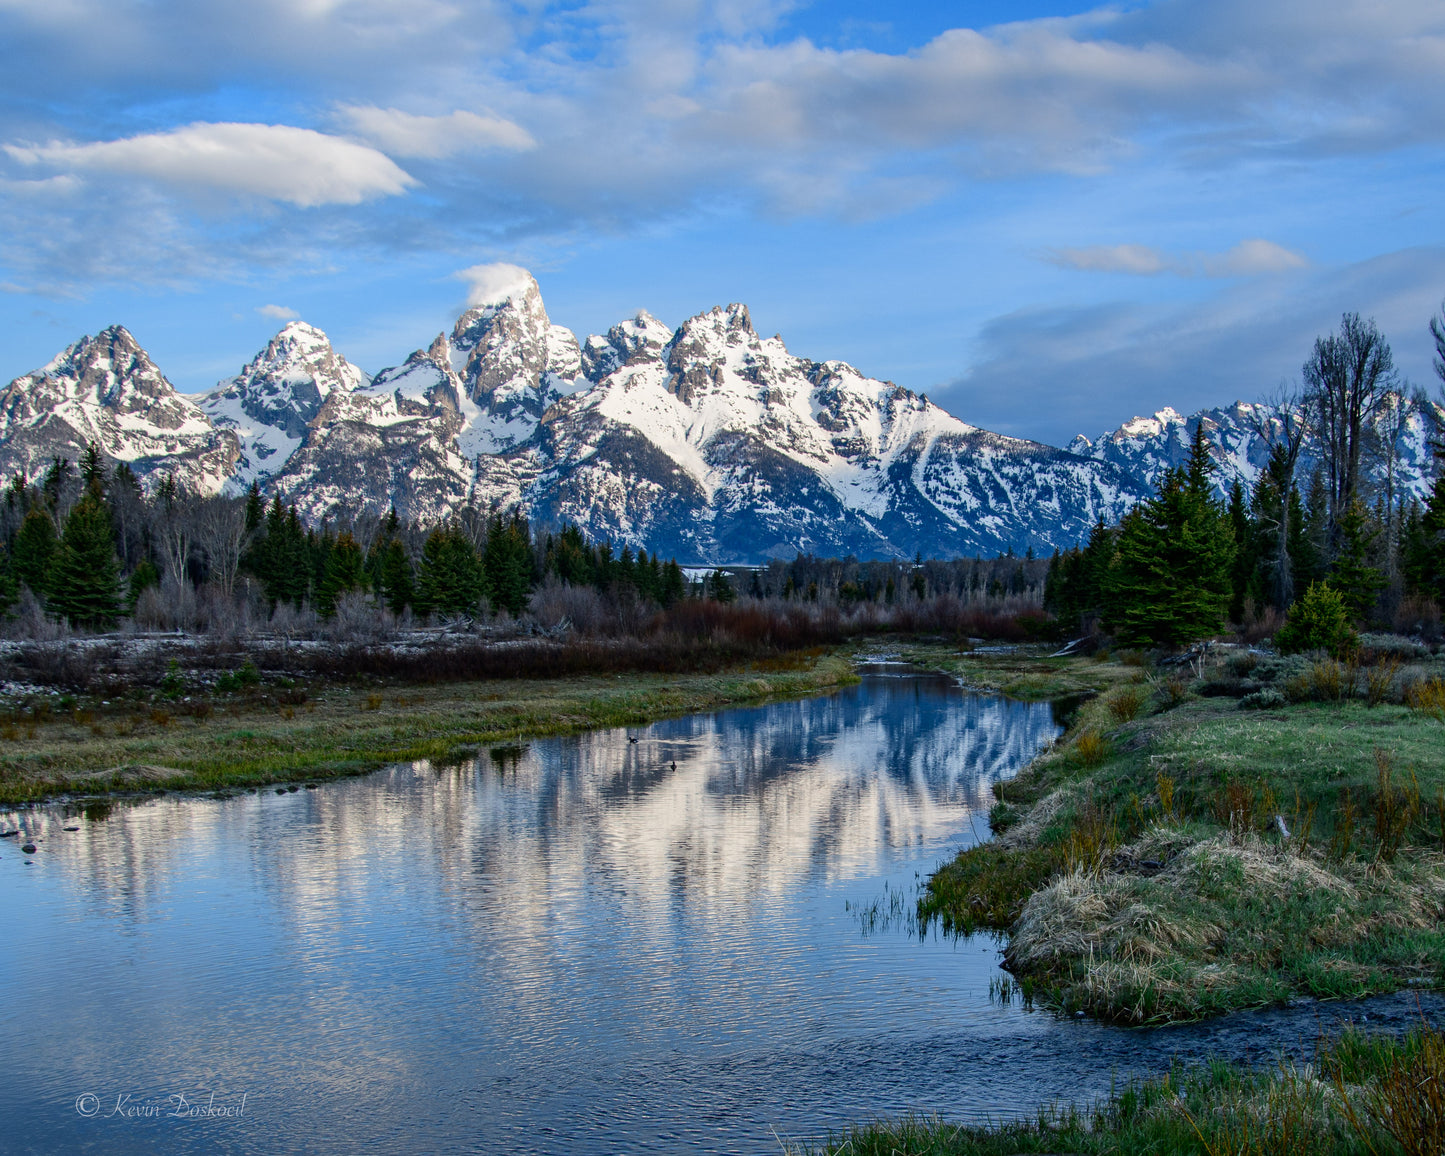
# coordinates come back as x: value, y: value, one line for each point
x: 277, y: 312
x: 278, y: 162
x: 1250, y: 258
x: 1136, y: 259
x: 1253, y: 257
x: 401, y: 134
x: 495, y: 283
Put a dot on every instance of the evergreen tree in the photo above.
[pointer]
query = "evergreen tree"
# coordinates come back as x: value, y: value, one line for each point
x: 142, y: 578
x: 1357, y: 582
x: 1245, y: 553
x: 507, y: 563
x: 92, y: 468
x: 9, y: 585
x: 1172, y: 581
x: 85, y: 576
x: 1424, y: 545
x: 35, y: 546
x: 255, y: 508
x: 449, y: 580
x: 674, y: 583
x: 395, y: 581
x: 345, y: 571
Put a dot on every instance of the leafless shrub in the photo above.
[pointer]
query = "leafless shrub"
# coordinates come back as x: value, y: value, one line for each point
x: 30, y: 621
x: 558, y: 607
x: 360, y: 621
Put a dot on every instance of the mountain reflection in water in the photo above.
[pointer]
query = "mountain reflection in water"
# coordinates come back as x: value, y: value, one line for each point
x: 579, y: 944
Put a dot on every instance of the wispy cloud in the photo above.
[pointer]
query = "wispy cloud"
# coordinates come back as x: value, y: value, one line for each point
x: 1246, y: 259
x: 1056, y: 371
x: 277, y: 162
x: 277, y: 312
x: 402, y: 134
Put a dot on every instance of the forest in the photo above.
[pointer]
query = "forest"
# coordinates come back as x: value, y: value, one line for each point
x: 1303, y: 560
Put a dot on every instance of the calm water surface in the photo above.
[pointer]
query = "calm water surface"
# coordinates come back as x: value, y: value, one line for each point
x: 579, y: 945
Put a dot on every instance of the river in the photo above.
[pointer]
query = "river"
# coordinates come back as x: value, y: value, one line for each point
x: 641, y: 940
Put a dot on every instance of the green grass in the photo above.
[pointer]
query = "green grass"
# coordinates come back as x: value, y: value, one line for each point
x: 1143, y: 876
x: 278, y: 736
x: 1361, y: 1094
x: 1024, y: 671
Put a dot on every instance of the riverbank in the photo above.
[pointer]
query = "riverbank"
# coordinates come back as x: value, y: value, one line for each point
x: 253, y: 734
x: 1180, y: 855
x: 1362, y: 1093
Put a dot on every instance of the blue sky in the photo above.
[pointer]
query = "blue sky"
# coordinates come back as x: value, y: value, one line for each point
x: 1047, y: 216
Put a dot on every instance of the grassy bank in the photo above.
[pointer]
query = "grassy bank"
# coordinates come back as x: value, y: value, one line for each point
x: 1179, y: 855
x: 1023, y: 671
x: 1361, y: 1094
x: 258, y: 734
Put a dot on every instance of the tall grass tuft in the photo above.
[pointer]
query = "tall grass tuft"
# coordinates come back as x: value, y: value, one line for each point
x: 1380, y: 680
x: 1126, y: 703
x: 1395, y: 807
x: 1428, y: 697
x: 1091, y: 748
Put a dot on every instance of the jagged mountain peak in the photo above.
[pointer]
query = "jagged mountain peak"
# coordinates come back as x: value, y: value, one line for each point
x: 106, y: 389
x: 277, y: 395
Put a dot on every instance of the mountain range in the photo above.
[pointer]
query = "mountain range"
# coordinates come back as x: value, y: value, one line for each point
x: 706, y: 442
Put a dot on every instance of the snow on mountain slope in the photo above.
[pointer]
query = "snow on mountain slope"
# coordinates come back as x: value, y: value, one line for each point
x: 276, y: 395
x: 106, y: 389
x: 708, y: 442
x: 728, y: 446
x: 1147, y: 446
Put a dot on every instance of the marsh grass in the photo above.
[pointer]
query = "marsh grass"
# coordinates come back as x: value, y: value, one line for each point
x: 1126, y: 703
x: 290, y: 733
x: 1427, y: 696
x: 1361, y: 1093
x: 1251, y: 857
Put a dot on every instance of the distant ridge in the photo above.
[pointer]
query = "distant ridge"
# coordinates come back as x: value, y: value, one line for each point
x: 707, y: 442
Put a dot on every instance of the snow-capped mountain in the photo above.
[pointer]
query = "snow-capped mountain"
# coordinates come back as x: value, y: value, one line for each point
x: 722, y: 445
x: 107, y: 390
x: 275, y: 397
x: 707, y: 442
x: 1240, y: 435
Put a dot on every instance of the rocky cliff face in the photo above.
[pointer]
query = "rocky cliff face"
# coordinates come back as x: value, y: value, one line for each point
x: 708, y: 442
x: 106, y: 389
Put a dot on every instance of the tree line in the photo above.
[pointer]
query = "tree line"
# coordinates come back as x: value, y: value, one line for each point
x: 1183, y: 563
x: 86, y: 542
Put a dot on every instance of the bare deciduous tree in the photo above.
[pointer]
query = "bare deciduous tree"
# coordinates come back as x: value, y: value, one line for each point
x: 1348, y: 378
x: 218, y: 528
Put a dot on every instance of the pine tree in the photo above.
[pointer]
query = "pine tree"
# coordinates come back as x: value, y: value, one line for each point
x: 449, y: 580
x: 1245, y: 551
x: 92, y: 467
x: 395, y: 582
x: 1172, y: 581
x: 85, y: 576
x: 1424, y: 545
x: 35, y: 546
x: 507, y: 563
x: 1357, y: 582
x: 345, y: 571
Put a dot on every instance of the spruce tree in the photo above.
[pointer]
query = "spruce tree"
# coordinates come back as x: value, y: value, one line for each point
x: 1357, y: 582
x: 395, y: 582
x: 1424, y: 545
x: 449, y: 580
x: 345, y: 571
x: 85, y: 576
x: 507, y: 563
x: 35, y: 546
x: 1172, y: 581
